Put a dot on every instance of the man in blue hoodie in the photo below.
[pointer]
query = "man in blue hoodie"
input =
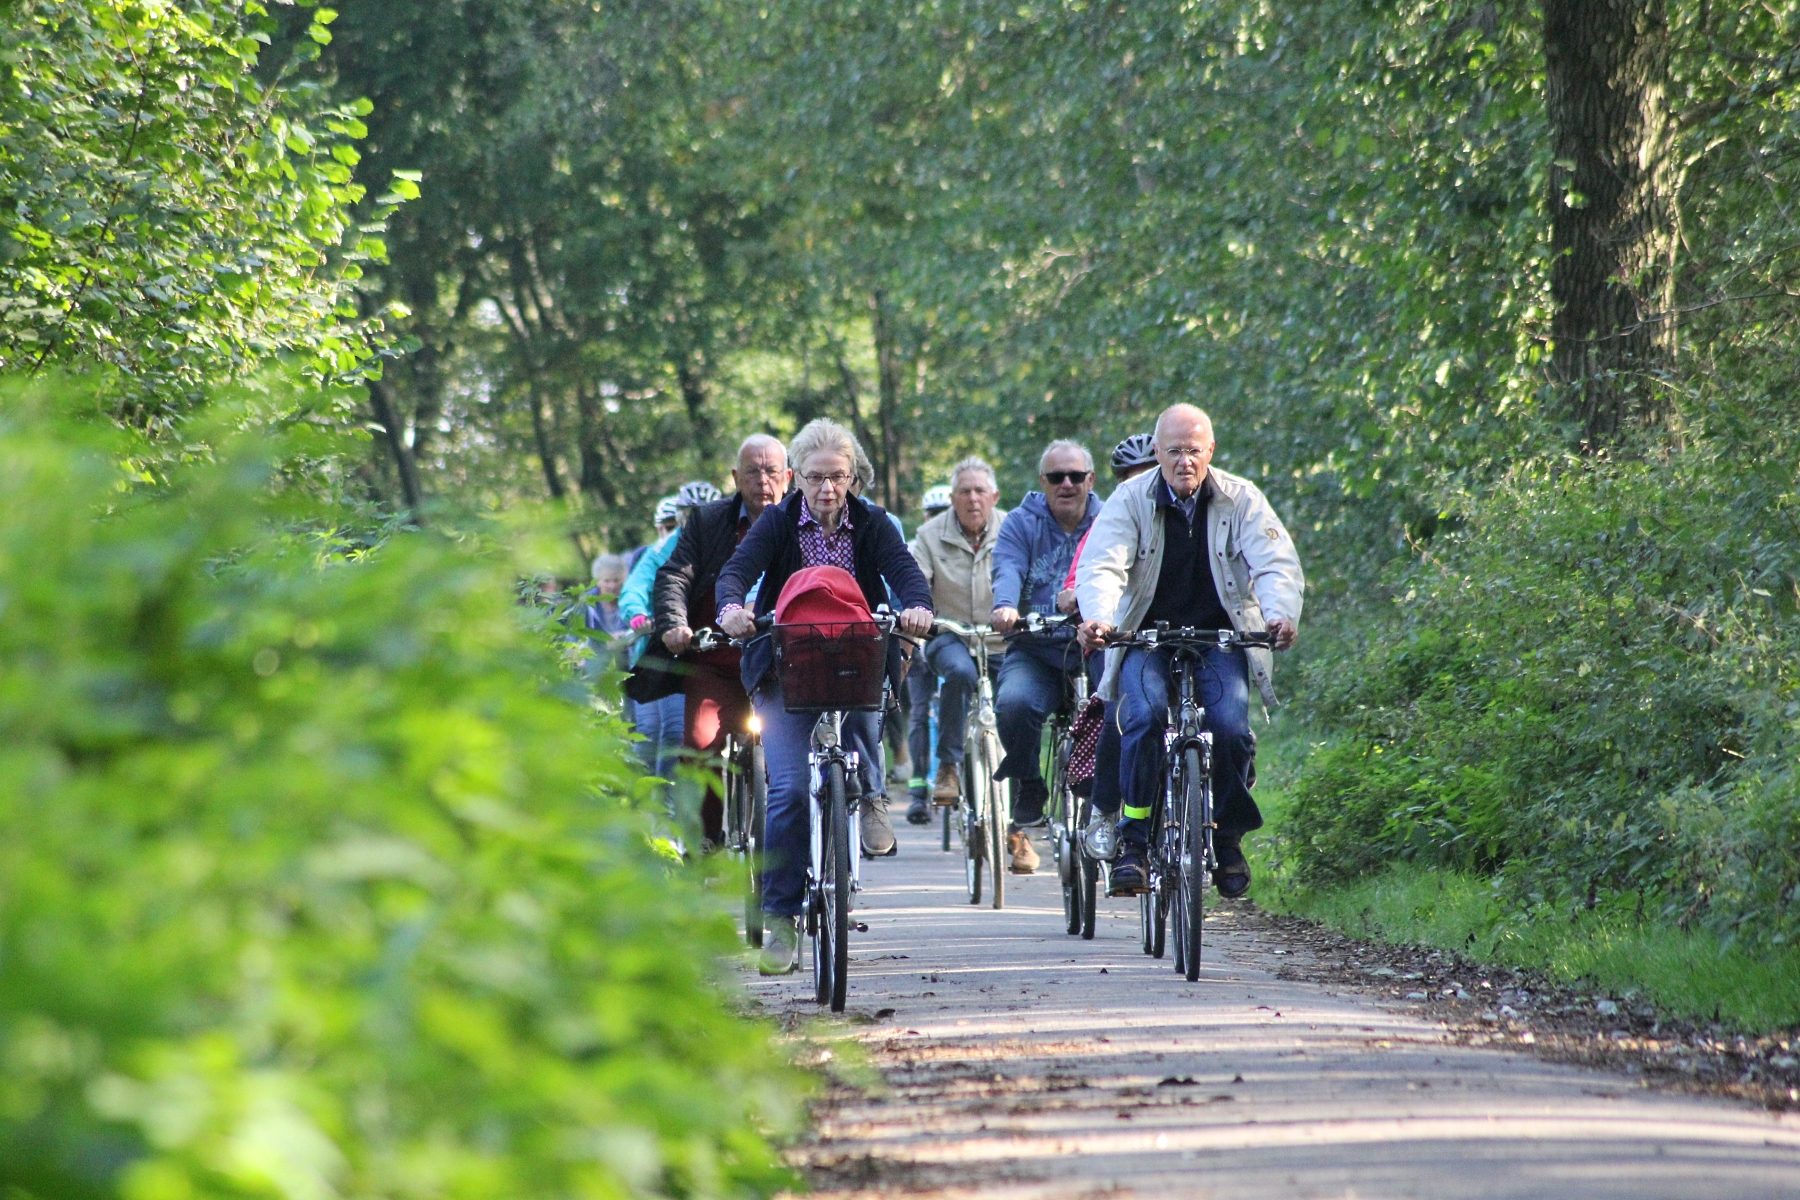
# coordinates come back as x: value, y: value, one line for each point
x: 1031, y: 558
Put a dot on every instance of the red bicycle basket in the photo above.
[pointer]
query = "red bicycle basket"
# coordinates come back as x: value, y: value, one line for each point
x: 835, y: 665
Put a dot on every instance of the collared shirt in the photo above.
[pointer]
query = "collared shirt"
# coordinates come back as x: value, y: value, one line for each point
x: 1166, y: 497
x: 821, y: 549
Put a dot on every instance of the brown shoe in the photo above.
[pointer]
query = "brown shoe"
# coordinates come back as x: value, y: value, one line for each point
x: 946, y: 789
x: 1024, y: 858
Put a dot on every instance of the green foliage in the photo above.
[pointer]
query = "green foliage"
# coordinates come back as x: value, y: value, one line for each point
x: 168, y: 211
x: 1592, y: 688
x: 314, y: 881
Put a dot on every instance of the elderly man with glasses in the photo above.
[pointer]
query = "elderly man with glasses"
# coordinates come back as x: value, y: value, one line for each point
x: 1190, y: 545
x: 1036, y: 545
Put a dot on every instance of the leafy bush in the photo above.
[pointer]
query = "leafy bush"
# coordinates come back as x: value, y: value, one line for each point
x: 313, y: 882
x: 1593, y: 687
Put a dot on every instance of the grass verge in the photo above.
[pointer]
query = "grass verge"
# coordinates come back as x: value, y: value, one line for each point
x: 1611, y: 948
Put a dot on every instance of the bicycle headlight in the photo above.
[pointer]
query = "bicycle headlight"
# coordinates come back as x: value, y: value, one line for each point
x: 825, y: 733
x: 754, y: 724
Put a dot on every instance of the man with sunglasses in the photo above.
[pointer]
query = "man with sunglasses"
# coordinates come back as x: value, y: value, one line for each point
x: 1036, y: 545
x: 716, y: 701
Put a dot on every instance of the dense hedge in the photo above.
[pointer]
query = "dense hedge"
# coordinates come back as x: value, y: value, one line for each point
x: 314, y: 883
x: 1591, y: 688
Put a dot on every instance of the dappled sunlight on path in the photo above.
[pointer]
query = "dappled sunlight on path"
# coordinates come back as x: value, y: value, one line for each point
x: 1019, y: 1061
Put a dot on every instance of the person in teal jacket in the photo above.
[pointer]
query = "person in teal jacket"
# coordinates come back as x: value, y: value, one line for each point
x: 658, y: 721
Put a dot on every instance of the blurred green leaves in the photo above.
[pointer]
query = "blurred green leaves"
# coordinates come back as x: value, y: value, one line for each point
x: 314, y: 882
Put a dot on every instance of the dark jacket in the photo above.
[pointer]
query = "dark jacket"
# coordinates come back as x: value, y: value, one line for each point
x: 684, y: 584
x: 771, y: 551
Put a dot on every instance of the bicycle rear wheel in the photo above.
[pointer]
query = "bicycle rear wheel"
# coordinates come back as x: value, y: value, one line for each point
x: 753, y: 793
x: 1192, y: 799
x: 831, y: 937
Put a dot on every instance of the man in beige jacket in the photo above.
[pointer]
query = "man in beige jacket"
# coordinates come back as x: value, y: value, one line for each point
x: 955, y: 550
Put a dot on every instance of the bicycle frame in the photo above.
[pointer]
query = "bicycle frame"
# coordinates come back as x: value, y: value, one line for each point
x: 984, y: 804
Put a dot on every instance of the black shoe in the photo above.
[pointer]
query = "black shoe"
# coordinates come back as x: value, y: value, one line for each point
x: 1029, y: 797
x: 919, y: 811
x: 1232, y: 877
x: 1128, y: 875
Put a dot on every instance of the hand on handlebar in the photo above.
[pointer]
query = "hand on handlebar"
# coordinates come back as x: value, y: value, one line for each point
x: 1004, y: 619
x: 1285, y: 632
x: 738, y: 622
x: 1093, y: 634
x: 916, y: 621
x: 678, y: 639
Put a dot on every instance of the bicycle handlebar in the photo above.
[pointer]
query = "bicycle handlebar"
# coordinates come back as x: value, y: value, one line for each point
x: 966, y: 632
x: 1187, y: 635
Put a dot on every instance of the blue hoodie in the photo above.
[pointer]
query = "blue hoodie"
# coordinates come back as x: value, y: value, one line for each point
x: 1032, y: 557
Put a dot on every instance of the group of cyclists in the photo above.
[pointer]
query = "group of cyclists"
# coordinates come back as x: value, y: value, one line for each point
x: 1177, y: 543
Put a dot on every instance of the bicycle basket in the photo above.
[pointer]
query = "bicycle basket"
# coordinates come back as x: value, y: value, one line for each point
x: 839, y: 665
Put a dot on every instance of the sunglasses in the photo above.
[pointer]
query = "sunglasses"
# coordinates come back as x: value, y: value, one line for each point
x: 1058, y: 478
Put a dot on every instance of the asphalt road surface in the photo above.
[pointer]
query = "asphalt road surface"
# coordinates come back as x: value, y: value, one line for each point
x: 1018, y: 1061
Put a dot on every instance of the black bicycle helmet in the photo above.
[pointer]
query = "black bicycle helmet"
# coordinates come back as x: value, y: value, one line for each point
x: 1138, y: 450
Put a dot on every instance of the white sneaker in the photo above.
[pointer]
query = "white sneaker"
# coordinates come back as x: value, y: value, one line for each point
x: 1101, y: 837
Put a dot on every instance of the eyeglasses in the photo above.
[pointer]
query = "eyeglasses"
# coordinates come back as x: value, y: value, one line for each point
x: 1058, y: 478
x: 1185, y: 451
x: 764, y: 472
x: 835, y: 479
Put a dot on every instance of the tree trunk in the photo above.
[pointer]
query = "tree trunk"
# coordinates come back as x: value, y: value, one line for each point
x: 1613, y: 214
x: 886, y: 454
x: 381, y: 402
x: 694, y: 398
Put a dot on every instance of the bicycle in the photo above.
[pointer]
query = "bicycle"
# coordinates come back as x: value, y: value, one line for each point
x: 746, y: 796
x: 984, y: 805
x: 1066, y: 811
x: 1182, y: 854
x: 831, y: 670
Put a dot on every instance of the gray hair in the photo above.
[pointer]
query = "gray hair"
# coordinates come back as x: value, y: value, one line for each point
x: 1065, y: 444
x: 975, y: 463
x: 607, y: 562
x: 829, y: 437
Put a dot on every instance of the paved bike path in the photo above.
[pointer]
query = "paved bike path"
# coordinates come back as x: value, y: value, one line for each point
x: 1019, y: 1061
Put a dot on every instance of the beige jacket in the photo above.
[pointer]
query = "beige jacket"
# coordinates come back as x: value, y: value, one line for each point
x: 1255, y: 567
x: 961, y: 579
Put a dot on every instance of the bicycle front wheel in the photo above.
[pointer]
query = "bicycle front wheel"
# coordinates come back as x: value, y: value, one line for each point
x: 831, y: 937
x: 998, y: 855
x: 974, y: 806
x: 1192, y: 798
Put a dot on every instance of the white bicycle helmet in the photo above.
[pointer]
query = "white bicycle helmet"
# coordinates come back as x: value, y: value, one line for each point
x: 936, y: 499
x: 1138, y: 450
x: 665, y: 511
x: 695, y: 493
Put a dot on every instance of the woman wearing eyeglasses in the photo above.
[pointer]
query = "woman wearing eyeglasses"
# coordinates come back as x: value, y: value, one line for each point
x: 822, y: 523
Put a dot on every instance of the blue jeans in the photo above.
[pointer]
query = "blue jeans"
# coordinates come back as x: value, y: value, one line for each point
x: 1222, y: 685
x: 1034, y: 682
x: 787, y: 740
x: 950, y: 670
x: 660, y: 722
